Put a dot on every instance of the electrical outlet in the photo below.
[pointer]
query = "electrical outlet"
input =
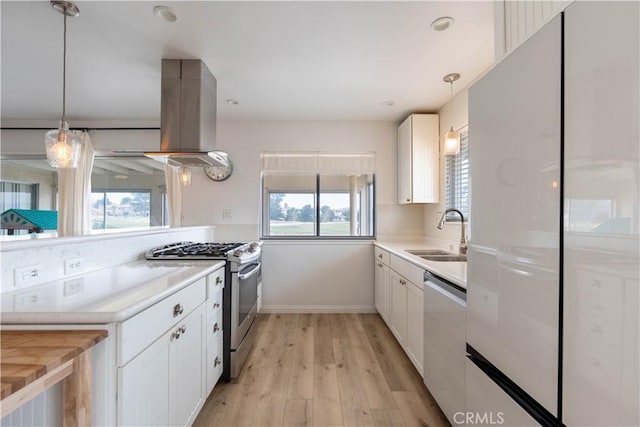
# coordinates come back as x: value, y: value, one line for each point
x: 74, y: 286
x: 73, y: 265
x: 227, y: 214
x: 27, y: 275
x: 26, y: 300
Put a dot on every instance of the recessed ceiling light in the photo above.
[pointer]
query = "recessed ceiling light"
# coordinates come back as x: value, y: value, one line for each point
x: 232, y: 101
x: 165, y: 13
x: 442, y: 23
x: 120, y: 176
x: 387, y: 103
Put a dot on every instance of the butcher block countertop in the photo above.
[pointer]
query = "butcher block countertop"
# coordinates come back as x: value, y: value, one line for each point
x: 29, y: 355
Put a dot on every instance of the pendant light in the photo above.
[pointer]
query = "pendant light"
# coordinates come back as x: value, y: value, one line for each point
x: 451, y: 138
x: 63, y: 146
x: 184, y: 174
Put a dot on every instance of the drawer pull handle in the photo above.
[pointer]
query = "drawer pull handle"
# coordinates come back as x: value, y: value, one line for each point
x: 218, y: 280
x: 175, y: 335
x: 380, y: 265
x: 380, y: 256
x: 216, y: 305
x: 216, y: 362
x: 183, y: 328
x: 178, y: 309
x: 216, y: 328
x: 403, y: 283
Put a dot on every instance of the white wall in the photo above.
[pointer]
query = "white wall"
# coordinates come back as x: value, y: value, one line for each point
x: 319, y: 276
x: 205, y: 200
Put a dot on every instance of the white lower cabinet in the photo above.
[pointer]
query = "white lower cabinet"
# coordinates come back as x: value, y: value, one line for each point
x: 415, y: 325
x: 170, y: 356
x: 164, y: 384
x: 400, y: 302
x: 382, y: 290
x: 398, y: 314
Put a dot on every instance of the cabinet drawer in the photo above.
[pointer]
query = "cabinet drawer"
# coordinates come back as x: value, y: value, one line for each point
x: 410, y: 271
x: 145, y: 327
x: 214, y: 303
x: 381, y: 255
x: 215, y: 282
x: 214, y: 363
x: 214, y: 325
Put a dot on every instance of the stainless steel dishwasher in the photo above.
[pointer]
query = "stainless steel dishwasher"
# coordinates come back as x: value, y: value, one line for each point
x: 445, y: 344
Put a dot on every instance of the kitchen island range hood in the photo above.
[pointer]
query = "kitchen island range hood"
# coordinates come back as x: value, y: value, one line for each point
x: 188, y: 115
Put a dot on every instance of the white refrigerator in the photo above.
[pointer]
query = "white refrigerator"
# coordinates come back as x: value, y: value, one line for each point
x: 553, y: 152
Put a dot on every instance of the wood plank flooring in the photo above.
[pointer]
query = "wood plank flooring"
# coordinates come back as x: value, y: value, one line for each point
x: 323, y: 370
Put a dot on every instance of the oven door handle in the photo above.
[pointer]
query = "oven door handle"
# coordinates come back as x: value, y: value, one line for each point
x: 253, y: 271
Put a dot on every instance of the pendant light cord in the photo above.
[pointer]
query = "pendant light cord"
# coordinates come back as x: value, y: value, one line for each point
x: 64, y: 67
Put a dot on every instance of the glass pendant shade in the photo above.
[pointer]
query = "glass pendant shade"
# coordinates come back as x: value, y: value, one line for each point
x: 185, y: 176
x: 451, y: 142
x: 63, y: 147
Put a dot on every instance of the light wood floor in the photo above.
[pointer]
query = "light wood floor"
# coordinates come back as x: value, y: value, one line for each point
x: 323, y: 370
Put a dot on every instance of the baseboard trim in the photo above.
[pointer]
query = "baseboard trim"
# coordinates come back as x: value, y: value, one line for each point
x: 318, y: 309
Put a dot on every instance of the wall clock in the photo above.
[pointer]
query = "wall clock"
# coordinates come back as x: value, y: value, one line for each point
x: 219, y: 173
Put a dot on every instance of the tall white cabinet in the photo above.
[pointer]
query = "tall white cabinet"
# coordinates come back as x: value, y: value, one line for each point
x: 601, y: 375
x: 419, y: 159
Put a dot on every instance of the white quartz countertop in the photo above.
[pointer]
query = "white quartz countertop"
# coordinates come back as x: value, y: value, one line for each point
x: 455, y: 272
x: 104, y: 296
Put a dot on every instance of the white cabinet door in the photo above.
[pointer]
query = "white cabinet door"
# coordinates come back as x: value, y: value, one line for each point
x: 419, y: 159
x: 143, y: 386
x: 188, y: 378
x: 404, y: 162
x: 415, y: 325
x: 165, y: 383
x: 601, y: 366
x: 398, y: 314
x: 382, y: 289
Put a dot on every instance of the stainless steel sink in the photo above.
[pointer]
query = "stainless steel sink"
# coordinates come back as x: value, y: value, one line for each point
x: 446, y: 258
x: 424, y: 252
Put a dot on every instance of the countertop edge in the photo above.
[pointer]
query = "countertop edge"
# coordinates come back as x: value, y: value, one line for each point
x: 435, y: 267
x: 101, y: 318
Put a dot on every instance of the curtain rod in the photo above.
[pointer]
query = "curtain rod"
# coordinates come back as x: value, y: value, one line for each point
x: 80, y: 128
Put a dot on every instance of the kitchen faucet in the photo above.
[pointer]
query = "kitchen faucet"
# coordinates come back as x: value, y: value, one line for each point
x: 463, y: 242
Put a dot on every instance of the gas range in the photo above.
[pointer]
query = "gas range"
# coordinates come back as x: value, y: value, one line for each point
x: 240, y: 253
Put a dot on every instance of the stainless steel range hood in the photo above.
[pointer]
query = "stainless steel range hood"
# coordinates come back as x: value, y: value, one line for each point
x: 188, y: 115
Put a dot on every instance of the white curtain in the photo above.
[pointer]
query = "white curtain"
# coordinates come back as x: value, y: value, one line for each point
x: 174, y: 195
x: 74, y: 193
x: 316, y: 162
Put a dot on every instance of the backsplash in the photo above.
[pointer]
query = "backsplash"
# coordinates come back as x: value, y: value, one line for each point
x: 31, y: 262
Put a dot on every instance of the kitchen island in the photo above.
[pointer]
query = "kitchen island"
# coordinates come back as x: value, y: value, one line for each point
x: 144, y: 307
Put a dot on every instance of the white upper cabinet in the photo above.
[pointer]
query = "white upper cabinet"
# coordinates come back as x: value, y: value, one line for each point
x: 419, y: 160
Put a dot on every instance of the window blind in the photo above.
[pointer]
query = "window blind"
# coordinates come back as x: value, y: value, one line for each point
x: 316, y: 162
x: 457, y: 178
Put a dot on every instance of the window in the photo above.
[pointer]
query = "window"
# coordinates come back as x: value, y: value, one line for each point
x: 456, y: 177
x: 18, y: 195
x: 120, y: 209
x: 317, y: 205
x: 325, y: 204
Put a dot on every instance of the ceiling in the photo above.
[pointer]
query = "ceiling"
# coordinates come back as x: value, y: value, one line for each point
x: 291, y: 60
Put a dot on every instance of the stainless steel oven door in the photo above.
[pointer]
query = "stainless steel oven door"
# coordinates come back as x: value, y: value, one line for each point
x: 244, y: 299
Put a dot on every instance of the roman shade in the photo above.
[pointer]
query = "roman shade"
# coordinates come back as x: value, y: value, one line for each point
x: 318, y: 163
